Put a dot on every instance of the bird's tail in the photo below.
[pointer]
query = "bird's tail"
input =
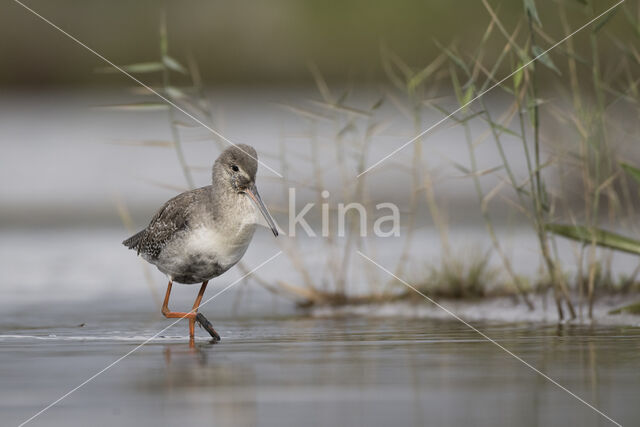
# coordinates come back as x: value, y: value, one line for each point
x: 133, y: 242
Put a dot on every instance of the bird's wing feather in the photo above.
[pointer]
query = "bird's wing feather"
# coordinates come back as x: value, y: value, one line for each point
x: 171, y: 219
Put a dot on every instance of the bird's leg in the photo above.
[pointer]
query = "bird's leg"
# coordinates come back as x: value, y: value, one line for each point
x: 177, y: 314
x: 200, y: 317
x: 193, y: 315
x: 194, y: 310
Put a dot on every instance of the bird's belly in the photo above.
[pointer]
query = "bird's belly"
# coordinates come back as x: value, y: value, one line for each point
x: 204, y: 253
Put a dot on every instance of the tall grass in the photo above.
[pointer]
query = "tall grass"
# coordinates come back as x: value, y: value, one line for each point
x: 590, y: 151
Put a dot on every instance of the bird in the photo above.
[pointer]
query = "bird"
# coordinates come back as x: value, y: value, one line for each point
x: 200, y: 234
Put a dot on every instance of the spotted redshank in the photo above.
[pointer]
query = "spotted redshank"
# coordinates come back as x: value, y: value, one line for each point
x: 202, y: 233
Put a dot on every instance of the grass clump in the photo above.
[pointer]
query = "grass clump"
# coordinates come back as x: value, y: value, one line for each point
x: 468, y: 276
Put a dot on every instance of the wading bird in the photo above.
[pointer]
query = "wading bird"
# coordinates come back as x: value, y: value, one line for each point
x: 200, y: 234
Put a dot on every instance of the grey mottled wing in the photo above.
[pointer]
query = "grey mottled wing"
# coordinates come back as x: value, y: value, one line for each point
x: 167, y: 223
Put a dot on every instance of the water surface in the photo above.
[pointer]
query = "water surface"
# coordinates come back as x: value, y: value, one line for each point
x: 296, y: 370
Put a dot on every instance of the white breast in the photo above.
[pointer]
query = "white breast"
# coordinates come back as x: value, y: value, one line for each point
x: 226, y: 249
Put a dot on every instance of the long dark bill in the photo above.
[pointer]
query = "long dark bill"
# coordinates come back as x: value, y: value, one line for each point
x: 255, y: 196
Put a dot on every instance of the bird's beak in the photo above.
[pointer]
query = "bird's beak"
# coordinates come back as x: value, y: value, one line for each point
x: 252, y: 192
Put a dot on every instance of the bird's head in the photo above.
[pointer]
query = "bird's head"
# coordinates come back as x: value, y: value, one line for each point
x: 236, y: 170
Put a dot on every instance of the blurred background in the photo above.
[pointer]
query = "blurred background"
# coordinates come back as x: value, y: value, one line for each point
x: 326, y: 87
x: 519, y: 209
x: 249, y: 44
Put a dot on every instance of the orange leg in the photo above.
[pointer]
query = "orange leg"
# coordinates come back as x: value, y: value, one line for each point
x: 194, y: 309
x: 178, y: 314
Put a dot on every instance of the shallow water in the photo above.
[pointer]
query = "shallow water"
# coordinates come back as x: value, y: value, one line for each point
x: 296, y: 370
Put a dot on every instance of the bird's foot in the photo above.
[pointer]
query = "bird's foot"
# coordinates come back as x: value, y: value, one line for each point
x: 204, y: 323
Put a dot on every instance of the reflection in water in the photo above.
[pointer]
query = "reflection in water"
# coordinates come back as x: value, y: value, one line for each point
x: 191, y: 371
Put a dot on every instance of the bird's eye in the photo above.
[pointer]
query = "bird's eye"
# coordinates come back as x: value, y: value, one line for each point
x: 235, y: 168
